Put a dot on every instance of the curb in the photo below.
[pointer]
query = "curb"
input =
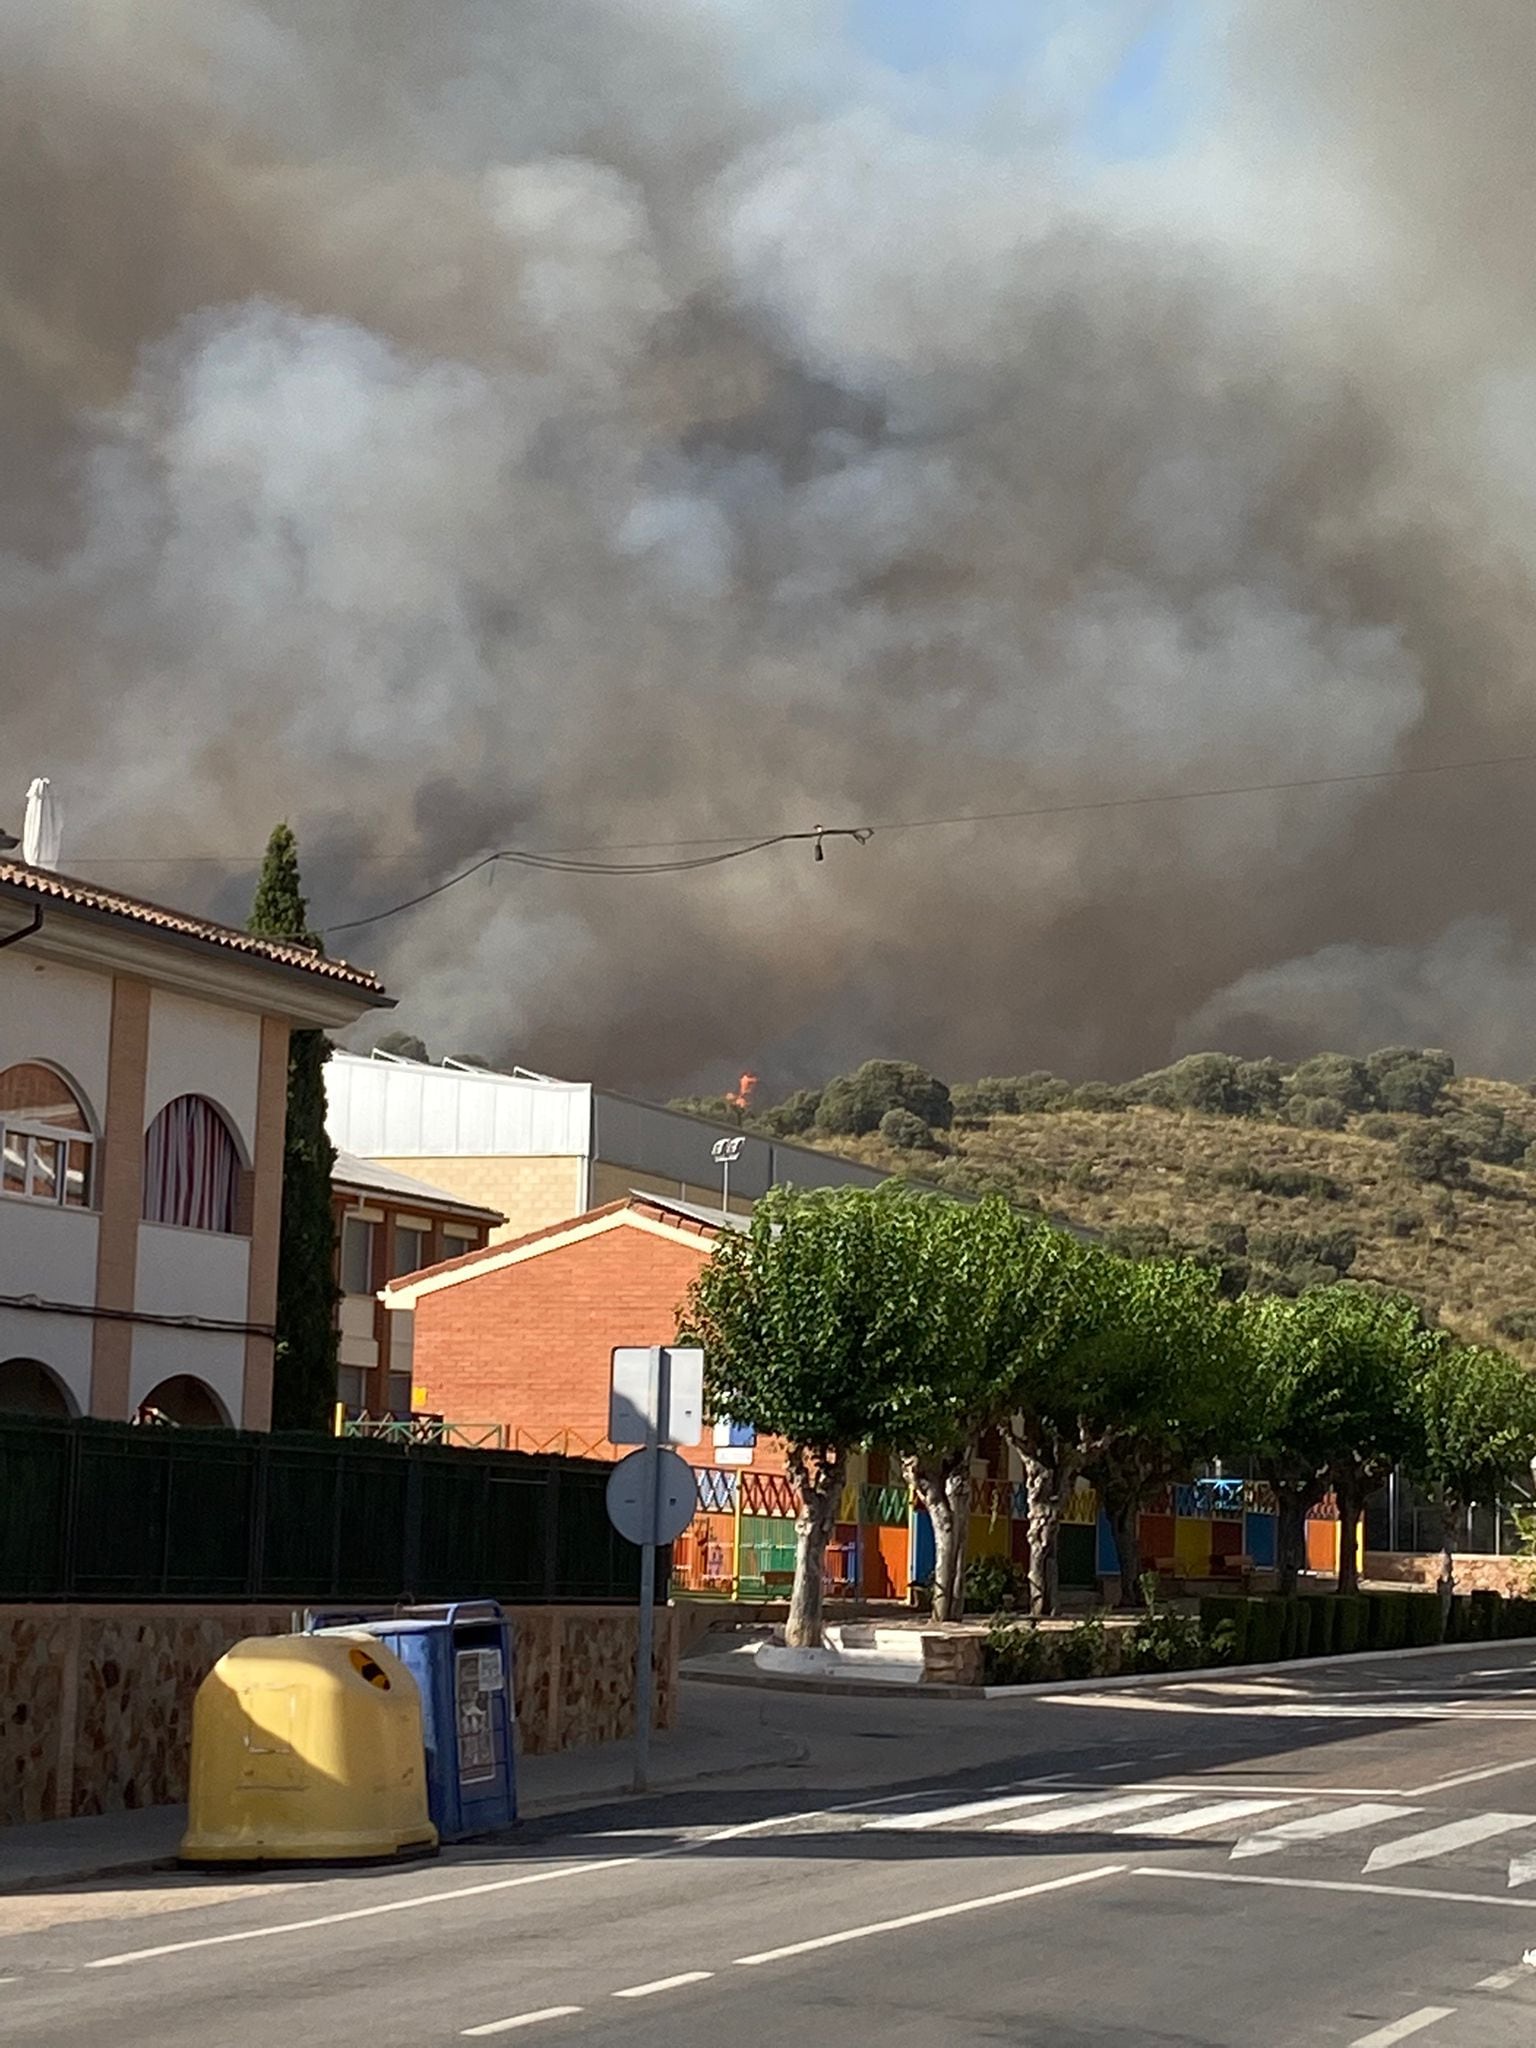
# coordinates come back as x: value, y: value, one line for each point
x: 1045, y: 1689
x: 1128, y: 1683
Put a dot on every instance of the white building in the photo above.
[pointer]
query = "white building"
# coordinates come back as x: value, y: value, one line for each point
x: 143, y: 1088
x: 540, y: 1150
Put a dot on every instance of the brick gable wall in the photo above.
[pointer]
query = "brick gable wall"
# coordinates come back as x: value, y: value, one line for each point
x: 529, y: 1345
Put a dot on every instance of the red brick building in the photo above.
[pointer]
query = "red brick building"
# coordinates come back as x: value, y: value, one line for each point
x: 521, y: 1334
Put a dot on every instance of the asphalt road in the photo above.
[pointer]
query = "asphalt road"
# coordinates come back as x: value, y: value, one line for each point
x: 1328, y: 1857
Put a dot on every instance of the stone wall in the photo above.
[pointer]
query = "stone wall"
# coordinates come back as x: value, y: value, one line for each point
x: 96, y: 1702
x: 1476, y: 1573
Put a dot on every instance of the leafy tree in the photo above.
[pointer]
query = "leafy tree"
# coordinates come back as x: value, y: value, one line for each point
x: 812, y: 1320
x: 1263, y: 1082
x: 794, y: 1116
x: 853, y: 1104
x: 1209, y: 1083
x: 1331, y: 1405
x: 1157, y: 1390
x: 1325, y: 1113
x: 405, y: 1045
x: 1488, y: 1135
x: 1431, y: 1152
x: 1060, y: 1308
x: 1097, y: 1096
x: 905, y: 1132
x: 1408, y: 1079
x: 1337, y: 1077
x: 973, y: 1267
x: 304, y: 1369
x: 1477, y: 1435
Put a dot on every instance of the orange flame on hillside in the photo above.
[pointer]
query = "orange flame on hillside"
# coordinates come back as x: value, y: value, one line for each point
x: 742, y: 1099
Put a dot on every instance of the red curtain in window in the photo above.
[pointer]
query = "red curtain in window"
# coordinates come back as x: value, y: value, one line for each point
x: 191, y: 1167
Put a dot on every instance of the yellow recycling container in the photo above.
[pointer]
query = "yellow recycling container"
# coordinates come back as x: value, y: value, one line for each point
x: 307, y: 1749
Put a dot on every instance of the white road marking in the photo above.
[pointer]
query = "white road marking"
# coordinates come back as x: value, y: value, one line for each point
x: 1414, y: 2023
x: 1526, y: 1763
x: 1283, y: 1710
x: 1457, y: 1834
x: 1336, y: 1884
x: 1064, y: 1817
x: 665, y: 1984
x: 1318, y: 1827
x: 1217, y: 1815
x: 1027, y: 1891
x: 468, y: 1891
x: 935, y: 1817
x: 476, y: 1891
x: 1522, y: 1870
x: 1501, y: 1980
x: 521, y: 2019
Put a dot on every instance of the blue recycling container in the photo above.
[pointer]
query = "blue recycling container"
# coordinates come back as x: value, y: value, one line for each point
x: 460, y: 1655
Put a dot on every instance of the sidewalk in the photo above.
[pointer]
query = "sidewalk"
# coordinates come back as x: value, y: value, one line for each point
x: 709, y: 1744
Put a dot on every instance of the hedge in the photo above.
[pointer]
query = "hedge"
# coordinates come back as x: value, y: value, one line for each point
x: 1349, y: 1630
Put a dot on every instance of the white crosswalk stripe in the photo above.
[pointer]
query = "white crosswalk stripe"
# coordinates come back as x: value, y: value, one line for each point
x: 970, y: 1809
x: 1079, y: 1816
x: 1443, y: 1841
x: 1221, y: 1814
x: 1185, y: 1815
x: 1319, y: 1827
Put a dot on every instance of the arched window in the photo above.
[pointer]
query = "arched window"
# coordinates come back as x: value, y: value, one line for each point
x: 45, y: 1138
x: 191, y: 1167
x: 27, y: 1387
x: 183, y: 1403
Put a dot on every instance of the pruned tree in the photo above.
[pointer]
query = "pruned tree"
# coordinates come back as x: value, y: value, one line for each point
x: 974, y: 1267
x: 1332, y: 1404
x: 1477, y: 1435
x: 1159, y: 1390
x: 812, y: 1321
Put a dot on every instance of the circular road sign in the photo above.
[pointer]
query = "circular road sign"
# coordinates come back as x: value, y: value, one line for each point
x: 648, y: 1505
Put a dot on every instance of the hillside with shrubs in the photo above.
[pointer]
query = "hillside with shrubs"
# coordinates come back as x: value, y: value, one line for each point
x: 1392, y: 1170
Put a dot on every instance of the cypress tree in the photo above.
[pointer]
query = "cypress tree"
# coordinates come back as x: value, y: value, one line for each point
x: 304, y: 1383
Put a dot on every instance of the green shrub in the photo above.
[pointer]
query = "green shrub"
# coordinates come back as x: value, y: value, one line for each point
x: 1016, y: 1655
x: 1521, y: 1612
x: 1165, y: 1641
x: 1292, y: 1621
x: 993, y: 1583
x: 1485, y: 1616
x: 904, y: 1132
x: 1458, y: 1626
x: 1423, y: 1616
x: 1266, y: 1631
x: 1226, y: 1611
x: 1349, y: 1623
x: 1081, y: 1652
x: 1322, y: 1615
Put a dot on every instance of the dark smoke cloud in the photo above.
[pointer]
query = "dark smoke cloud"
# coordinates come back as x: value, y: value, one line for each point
x: 567, y: 423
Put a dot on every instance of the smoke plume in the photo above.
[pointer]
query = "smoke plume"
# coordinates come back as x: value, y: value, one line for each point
x: 569, y: 424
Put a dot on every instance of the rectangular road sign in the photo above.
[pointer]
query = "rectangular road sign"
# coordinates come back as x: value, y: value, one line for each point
x: 656, y: 1395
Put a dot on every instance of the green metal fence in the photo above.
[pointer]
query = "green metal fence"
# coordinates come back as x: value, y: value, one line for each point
x: 104, y: 1511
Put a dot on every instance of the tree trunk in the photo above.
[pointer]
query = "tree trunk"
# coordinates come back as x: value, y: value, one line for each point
x: 1290, y: 1536
x: 1449, y: 1517
x: 943, y: 1486
x: 818, y: 1478
x: 1349, y: 1504
x: 1047, y: 1482
x: 957, y: 1489
x: 1123, y: 1517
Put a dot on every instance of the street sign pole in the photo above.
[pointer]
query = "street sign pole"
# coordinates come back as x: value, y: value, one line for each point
x: 645, y: 1676
x: 652, y: 1494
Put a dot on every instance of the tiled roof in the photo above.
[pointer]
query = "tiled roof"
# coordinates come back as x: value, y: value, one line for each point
x: 42, y: 886
x: 661, y: 1208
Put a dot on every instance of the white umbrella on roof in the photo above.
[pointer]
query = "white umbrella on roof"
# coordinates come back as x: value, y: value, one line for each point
x: 43, y: 827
